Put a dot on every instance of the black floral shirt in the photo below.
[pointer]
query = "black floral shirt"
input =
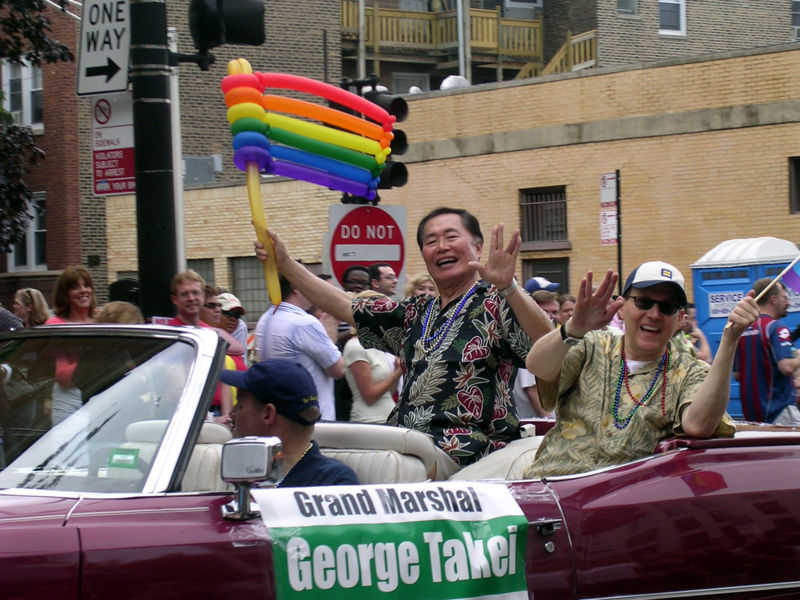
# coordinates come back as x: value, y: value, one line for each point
x: 459, y: 385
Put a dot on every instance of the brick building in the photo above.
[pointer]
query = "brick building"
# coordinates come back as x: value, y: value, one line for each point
x: 43, y: 97
x: 708, y: 150
x: 524, y: 124
x: 631, y: 31
x: 74, y: 229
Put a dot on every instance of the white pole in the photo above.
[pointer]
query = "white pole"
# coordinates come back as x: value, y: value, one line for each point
x: 461, y: 55
x: 362, y: 58
x: 177, y: 153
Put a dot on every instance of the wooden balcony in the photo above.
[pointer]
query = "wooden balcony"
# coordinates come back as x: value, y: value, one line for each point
x: 434, y: 35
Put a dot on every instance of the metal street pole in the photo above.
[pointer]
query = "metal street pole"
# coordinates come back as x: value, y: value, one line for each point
x: 152, y: 134
x: 619, y: 233
x: 177, y: 151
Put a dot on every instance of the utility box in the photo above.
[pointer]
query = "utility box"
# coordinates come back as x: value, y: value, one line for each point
x: 722, y: 277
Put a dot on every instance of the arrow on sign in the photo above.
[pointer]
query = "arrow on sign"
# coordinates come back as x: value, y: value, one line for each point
x: 109, y: 70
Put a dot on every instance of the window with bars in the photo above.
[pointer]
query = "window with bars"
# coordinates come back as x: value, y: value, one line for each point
x: 203, y: 267
x: 249, y: 286
x: 628, y: 7
x: 672, y: 17
x: 794, y: 185
x: 796, y: 19
x: 543, y: 214
x: 22, y: 90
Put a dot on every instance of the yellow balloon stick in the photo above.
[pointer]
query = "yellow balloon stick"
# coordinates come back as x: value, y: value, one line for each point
x: 238, y: 111
x: 260, y: 224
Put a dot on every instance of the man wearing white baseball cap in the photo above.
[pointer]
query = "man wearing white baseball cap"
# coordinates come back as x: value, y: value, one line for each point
x: 616, y: 396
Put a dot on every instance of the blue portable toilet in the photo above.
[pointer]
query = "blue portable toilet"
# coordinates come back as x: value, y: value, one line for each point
x: 722, y: 277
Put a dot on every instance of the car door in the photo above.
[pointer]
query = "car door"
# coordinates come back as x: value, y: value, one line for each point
x: 691, y: 523
x: 39, y: 558
x: 548, y: 563
x: 171, y: 545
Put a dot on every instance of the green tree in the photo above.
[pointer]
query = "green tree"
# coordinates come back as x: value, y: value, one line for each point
x: 25, y: 36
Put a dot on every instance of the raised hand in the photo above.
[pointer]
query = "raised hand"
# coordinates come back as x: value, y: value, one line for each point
x: 743, y: 315
x: 592, y: 309
x: 502, y: 263
x: 281, y: 254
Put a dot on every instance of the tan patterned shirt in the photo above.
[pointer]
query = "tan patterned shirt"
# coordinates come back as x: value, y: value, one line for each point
x: 586, y: 436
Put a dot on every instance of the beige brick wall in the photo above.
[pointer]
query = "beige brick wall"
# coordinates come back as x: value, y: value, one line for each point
x: 702, y: 148
x: 218, y: 224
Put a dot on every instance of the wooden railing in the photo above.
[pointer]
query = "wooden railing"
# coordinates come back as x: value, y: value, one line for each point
x: 439, y: 31
x: 578, y: 52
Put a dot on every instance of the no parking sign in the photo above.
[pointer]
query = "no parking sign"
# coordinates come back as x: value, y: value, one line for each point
x: 365, y: 234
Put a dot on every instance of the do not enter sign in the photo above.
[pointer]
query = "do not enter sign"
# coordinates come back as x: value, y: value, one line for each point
x: 365, y: 235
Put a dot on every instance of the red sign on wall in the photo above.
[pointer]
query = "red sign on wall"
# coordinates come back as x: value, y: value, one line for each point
x: 112, y: 145
x: 363, y: 236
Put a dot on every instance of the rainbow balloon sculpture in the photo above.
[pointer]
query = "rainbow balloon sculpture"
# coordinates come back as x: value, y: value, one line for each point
x: 340, y: 151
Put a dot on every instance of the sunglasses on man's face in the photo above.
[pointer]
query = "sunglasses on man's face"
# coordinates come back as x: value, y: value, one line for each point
x: 666, y: 307
x: 232, y: 315
x: 212, y: 305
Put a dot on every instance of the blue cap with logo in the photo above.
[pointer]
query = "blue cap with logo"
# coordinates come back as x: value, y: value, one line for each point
x: 283, y: 383
x: 534, y: 284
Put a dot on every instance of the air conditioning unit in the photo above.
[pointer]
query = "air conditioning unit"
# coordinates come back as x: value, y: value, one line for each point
x: 16, y: 115
x: 795, y: 33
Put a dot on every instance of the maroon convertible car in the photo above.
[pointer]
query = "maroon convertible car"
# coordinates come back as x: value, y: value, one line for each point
x: 115, y: 484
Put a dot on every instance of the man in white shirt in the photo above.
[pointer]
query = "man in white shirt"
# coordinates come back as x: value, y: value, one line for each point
x: 289, y: 332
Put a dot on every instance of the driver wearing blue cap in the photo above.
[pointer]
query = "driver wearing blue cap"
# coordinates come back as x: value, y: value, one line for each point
x: 277, y: 397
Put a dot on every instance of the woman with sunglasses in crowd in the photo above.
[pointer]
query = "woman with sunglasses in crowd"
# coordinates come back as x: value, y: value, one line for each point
x: 31, y: 307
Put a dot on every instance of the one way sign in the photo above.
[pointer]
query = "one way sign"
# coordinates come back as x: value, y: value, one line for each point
x: 105, y: 47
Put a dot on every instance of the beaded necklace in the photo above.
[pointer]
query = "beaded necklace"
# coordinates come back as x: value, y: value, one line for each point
x: 623, y: 376
x: 431, y: 342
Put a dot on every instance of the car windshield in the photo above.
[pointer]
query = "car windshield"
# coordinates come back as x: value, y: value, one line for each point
x: 86, y: 413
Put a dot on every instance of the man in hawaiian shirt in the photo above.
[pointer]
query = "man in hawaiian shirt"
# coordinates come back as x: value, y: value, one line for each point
x: 617, y: 396
x: 461, y: 348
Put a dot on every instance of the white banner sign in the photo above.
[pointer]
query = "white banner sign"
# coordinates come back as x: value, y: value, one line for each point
x: 448, y: 540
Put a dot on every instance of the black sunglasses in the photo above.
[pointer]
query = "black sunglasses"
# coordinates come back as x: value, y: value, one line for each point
x: 665, y: 306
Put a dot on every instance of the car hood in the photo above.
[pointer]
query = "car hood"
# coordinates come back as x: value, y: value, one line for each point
x: 19, y: 508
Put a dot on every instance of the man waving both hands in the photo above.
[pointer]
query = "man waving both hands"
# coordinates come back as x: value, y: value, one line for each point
x: 459, y: 349
x: 617, y: 396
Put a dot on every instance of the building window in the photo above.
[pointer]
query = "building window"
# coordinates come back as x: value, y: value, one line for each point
x: 794, y: 185
x: 249, y: 285
x: 413, y: 5
x: 672, y: 17
x: 203, y: 267
x: 29, y: 254
x: 628, y: 7
x: 403, y: 82
x: 796, y: 20
x: 543, y: 215
x: 523, y: 3
x: 552, y: 269
x: 22, y: 93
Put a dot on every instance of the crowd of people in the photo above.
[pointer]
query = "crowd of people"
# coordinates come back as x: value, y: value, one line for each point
x: 465, y: 354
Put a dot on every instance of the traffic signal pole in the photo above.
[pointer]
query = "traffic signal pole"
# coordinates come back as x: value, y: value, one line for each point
x: 152, y: 134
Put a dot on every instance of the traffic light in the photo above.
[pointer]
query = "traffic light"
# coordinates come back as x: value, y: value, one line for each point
x: 394, y: 105
x: 394, y: 174
x: 216, y: 22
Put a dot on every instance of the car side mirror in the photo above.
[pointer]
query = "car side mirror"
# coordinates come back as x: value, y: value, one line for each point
x: 245, y: 462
